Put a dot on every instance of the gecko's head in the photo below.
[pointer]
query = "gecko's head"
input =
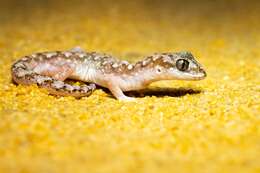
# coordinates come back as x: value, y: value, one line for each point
x: 181, y: 65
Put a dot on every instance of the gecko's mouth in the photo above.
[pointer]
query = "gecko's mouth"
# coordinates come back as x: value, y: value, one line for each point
x: 194, y: 75
x: 203, y: 72
x: 200, y: 75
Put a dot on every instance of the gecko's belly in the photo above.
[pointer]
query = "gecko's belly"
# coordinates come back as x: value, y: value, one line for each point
x: 84, y: 73
x: 89, y: 74
x: 128, y: 84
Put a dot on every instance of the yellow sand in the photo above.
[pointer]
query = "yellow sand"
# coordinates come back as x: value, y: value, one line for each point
x: 196, y: 126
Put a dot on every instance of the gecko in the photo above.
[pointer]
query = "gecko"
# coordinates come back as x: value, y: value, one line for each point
x: 50, y: 70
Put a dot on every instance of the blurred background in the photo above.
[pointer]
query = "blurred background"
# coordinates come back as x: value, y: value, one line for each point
x: 125, y: 26
x: 213, y: 130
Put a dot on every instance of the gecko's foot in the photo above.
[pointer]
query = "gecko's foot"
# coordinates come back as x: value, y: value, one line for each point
x: 127, y: 99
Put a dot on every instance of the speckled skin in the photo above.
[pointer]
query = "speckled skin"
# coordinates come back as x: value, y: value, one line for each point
x: 50, y: 69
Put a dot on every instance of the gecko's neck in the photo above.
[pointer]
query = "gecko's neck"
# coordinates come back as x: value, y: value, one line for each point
x: 142, y: 74
x: 146, y: 76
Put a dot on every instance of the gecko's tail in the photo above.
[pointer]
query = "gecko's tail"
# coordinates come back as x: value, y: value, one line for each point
x: 22, y: 74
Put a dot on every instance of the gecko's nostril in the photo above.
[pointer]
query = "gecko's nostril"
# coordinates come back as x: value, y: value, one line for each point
x: 203, y: 72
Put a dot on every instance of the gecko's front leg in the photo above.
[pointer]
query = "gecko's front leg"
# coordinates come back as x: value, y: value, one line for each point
x: 118, y: 93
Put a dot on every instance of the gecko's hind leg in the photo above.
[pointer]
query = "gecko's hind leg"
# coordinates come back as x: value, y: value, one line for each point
x: 61, y: 88
x: 54, y: 86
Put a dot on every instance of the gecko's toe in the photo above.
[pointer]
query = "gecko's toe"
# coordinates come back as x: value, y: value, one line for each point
x: 127, y: 99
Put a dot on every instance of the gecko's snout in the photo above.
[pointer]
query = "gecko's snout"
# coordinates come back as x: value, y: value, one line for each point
x: 199, y: 74
x: 202, y: 73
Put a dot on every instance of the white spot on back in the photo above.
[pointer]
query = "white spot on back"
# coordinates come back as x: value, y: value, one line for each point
x: 41, y: 67
x: 130, y: 66
x: 81, y: 55
x: 156, y: 57
x: 40, y: 58
x: 59, y: 59
x: 144, y: 63
x: 167, y: 59
x: 49, y: 55
x: 86, y: 60
x: 124, y: 62
x: 115, y: 65
x: 67, y: 54
x: 98, y: 63
x: 96, y: 58
x: 105, y: 62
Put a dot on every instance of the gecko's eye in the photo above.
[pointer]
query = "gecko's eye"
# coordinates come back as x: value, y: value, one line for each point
x: 182, y: 64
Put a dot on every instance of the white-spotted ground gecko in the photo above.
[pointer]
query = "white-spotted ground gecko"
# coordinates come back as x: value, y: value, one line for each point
x: 50, y: 69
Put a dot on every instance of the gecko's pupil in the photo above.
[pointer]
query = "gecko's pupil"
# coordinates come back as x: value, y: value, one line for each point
x: 182, y: 64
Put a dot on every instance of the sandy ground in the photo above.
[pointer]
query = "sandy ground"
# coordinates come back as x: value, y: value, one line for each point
x: 203, y: 126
